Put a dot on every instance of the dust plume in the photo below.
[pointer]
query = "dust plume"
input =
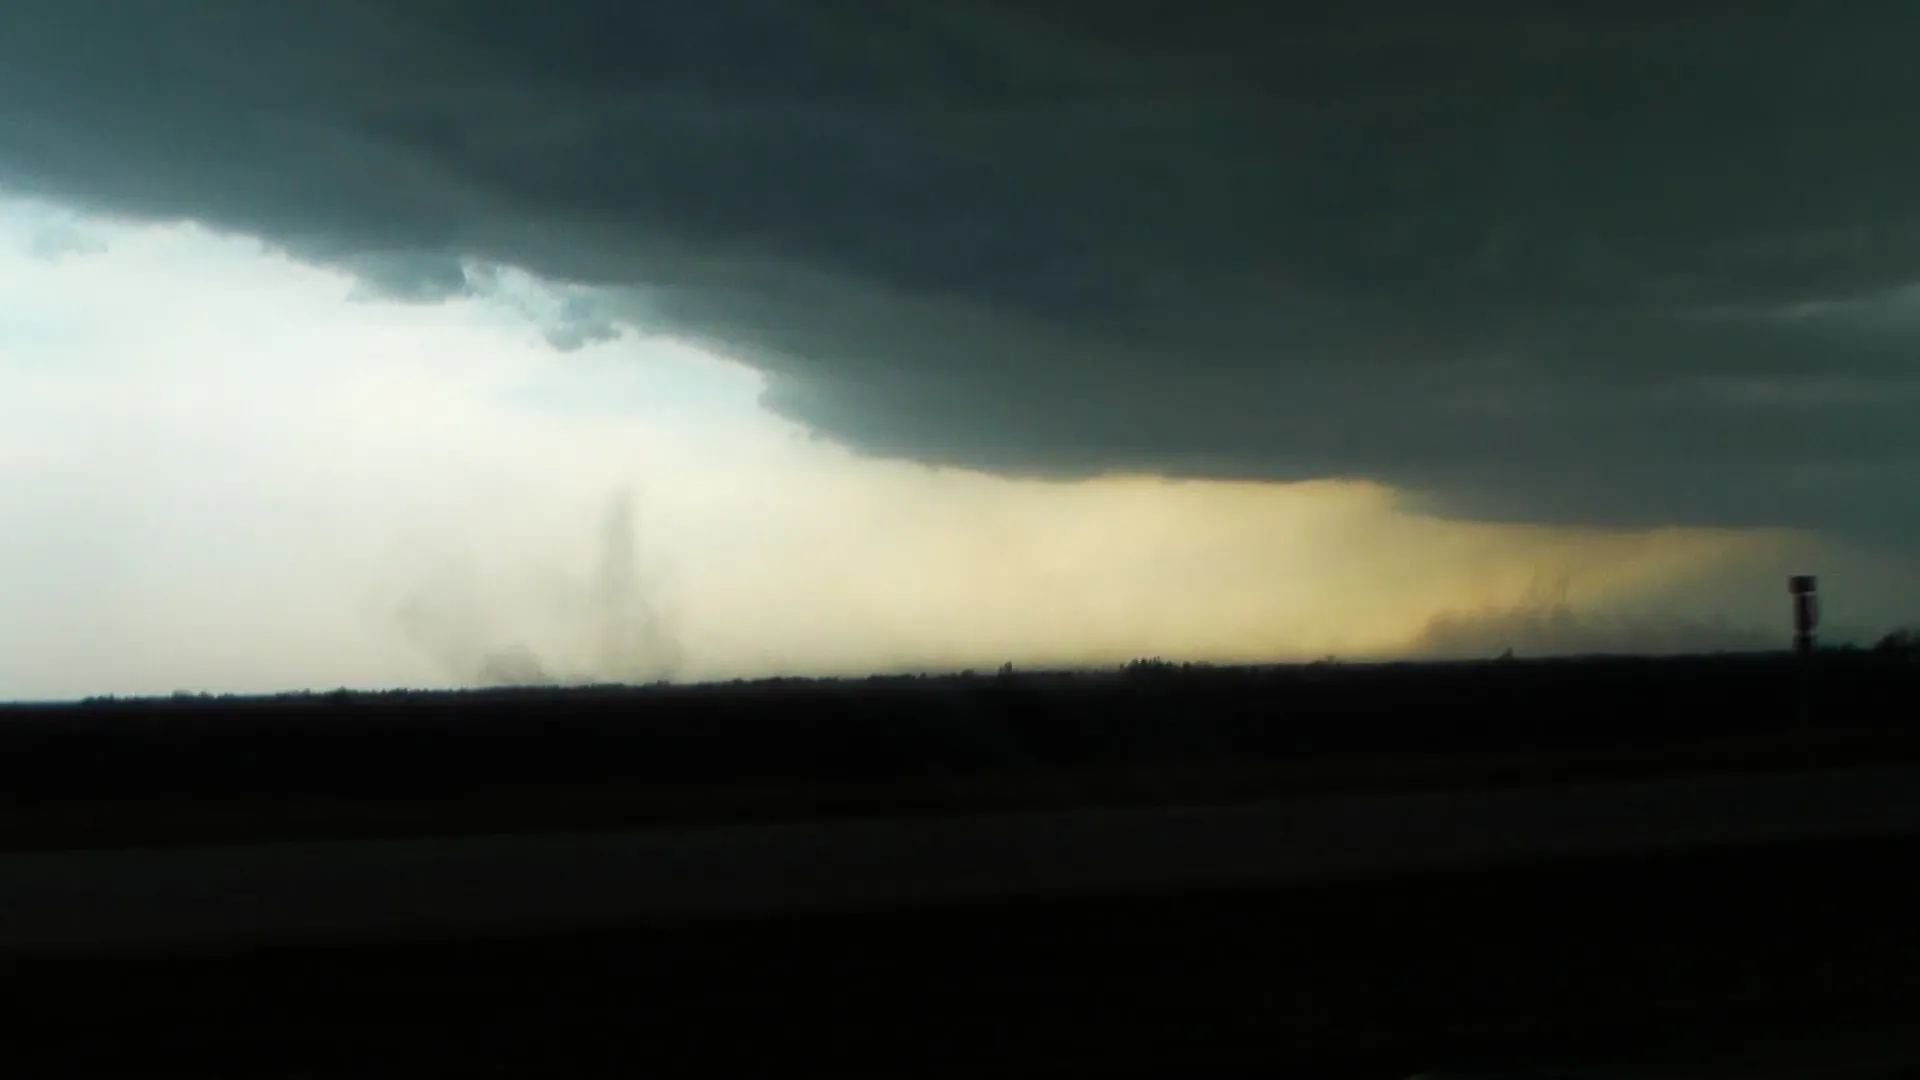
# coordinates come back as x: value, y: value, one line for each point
x: 549, y: 629
x: 1562, y: 630
x: 635, y: 644
x: 1544, y: 621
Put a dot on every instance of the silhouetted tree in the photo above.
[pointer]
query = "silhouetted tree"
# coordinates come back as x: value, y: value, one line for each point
x: 1903, y: 642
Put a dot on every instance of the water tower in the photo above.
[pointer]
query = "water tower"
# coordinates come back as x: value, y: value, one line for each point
x: 1806, y: 612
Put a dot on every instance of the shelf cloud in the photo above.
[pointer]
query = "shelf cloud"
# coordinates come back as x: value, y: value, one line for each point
x: 1629, y: 264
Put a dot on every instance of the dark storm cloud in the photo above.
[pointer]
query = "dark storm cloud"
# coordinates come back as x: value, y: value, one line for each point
x: 1609, y: 263
x: 414, y: 277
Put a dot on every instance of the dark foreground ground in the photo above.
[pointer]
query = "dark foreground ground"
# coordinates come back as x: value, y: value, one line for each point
x: 1804, y: 960
x: 202, y: 769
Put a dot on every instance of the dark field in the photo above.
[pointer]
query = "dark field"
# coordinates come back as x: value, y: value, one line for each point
x: 1764, y: 956
x: 1803, y: 957
x: 340, y: 765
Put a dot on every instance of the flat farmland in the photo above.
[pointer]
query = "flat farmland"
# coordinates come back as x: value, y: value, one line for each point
x: 1646, y: 867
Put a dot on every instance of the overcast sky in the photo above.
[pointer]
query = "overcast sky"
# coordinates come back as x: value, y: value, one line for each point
x: 405, y: 341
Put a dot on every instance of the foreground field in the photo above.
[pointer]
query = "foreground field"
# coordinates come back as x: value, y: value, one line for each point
x: 270, y: 894
x: 1787, y: 960
x: 208, y: 770
x: 1698, y: 959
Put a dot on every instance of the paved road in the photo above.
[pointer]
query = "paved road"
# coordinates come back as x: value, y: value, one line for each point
x: 317, y: 892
